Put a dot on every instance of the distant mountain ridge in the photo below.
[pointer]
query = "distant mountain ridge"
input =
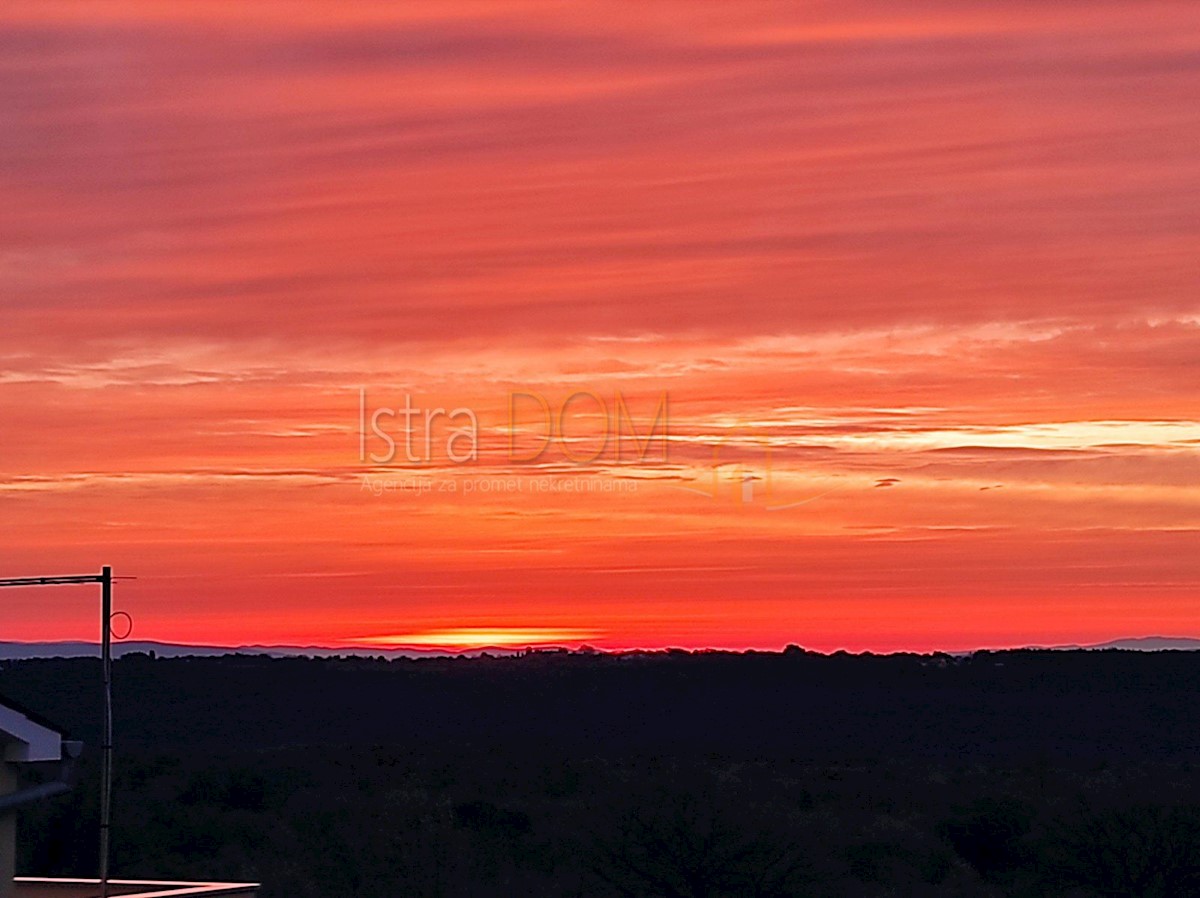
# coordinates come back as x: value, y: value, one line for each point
x: 13, y: 651
x: 1144, y: 644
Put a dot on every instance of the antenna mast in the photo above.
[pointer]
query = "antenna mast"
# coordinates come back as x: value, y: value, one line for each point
x: 105, y: 579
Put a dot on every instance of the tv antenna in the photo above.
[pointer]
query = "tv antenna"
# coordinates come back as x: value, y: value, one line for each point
x: 105, y: 579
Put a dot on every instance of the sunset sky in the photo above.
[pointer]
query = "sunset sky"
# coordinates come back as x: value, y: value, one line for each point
x: 916, y: 284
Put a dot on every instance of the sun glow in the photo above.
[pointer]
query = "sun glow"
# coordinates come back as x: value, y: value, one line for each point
x: 482, y: 637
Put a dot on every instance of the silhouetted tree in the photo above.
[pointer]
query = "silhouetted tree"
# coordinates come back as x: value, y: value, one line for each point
x: 1143, y: 850
x: 682, y: 846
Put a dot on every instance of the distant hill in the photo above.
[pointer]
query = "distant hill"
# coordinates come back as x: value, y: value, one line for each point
x: 1144, y: 644
x: 13, y: 651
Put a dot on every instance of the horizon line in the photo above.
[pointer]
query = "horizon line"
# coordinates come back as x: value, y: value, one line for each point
x: 585, y: 648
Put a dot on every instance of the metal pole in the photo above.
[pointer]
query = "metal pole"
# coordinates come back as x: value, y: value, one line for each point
x: 105, y: 579
x: 106, y: 744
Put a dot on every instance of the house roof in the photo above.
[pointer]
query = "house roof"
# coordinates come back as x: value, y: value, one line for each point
x: 27, y: 736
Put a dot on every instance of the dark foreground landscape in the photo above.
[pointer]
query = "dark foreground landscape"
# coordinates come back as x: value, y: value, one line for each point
x: 1030, y: 773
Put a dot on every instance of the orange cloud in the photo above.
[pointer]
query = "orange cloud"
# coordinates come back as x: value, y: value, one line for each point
x: 950, y: 250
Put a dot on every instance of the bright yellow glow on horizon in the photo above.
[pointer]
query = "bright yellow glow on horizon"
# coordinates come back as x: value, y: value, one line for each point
x: 482, y: 637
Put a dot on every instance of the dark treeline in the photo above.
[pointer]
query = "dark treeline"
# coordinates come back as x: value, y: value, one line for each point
x: 654, y: 774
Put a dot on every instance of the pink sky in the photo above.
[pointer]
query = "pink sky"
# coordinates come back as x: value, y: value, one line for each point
x: 926, y: 273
